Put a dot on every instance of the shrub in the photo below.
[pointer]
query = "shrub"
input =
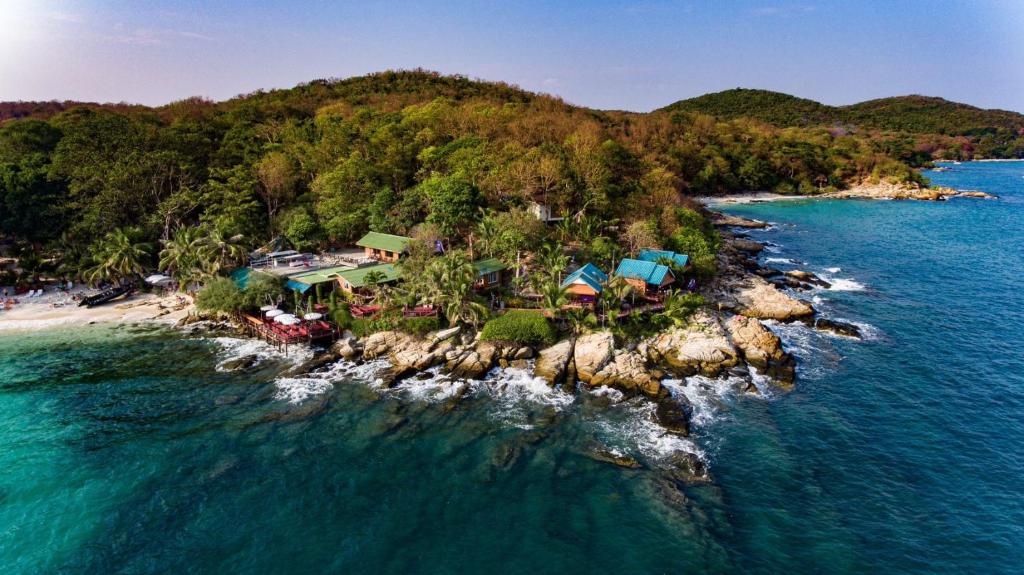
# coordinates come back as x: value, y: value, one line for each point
x: 263, y: 288
x: 220, y: 295
x: 420, y: 325
x: 519, y: 326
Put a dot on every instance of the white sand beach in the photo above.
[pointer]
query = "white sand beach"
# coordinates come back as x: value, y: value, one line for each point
x: 31, y: 315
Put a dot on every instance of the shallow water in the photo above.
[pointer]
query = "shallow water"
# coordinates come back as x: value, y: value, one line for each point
x: 128, y: 450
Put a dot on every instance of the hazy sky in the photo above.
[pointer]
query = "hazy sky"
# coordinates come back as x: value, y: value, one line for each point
x: 625, y: 55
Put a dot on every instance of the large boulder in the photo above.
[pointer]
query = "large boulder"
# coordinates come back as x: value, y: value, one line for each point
x: 552, y: 362
x: 760, y: 299
x: 384, y: 343
x: 628, y: 372
x: 593, y: 351
x: 474, y: 363
x: 762, y: 348
x: 700, y: 347
x: 674, y: 413
x: 347, y: 348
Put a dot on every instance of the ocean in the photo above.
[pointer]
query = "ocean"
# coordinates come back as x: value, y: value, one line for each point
x: 133, y: 450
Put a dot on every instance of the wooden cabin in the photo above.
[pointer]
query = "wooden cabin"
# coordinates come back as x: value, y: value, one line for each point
x: 491, y: 273
x: 385, y: 248
x: 646, y: 277
x: 585, y: 284
x: 354, y: 281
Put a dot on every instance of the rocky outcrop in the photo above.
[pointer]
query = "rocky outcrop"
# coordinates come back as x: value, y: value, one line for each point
x: 976, y: 194
x: 760, y: 299
x: 348, y: 348
x: 473, y: 363
x: 673, y: 413
x: 807, y: 277
x: 383, y: 343
x: 628, y: 372
x: 837, y: 327
x: 748, y: 246
x: 762, y: 349
x: 888, y: 191
x: 552, y: 362
x: 592, y: 352
x: 701, y: 347
x: 729, y: 221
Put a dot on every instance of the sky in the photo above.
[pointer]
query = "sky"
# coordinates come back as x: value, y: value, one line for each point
x: 602, y: 54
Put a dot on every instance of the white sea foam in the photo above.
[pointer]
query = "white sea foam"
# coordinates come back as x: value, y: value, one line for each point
x: 833, y: 270
x: 780, y: 261
x: 512, y: 384
x: 634, y: 430
x: 844, y: 284
x: 772, y: 249
x: 298, y: 389
x: 232, y: 348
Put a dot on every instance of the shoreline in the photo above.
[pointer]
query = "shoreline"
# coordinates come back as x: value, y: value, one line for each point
x: 34, y: 316
x: 881, y: 191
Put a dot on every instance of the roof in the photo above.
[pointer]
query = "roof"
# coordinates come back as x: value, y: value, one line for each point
x: 649, y: 255
x: 489, y: 265
x: 649, y: 272
x: 388, y: 242
x: 590, y: 275
x: 322, y: 275
x: 357, y: 277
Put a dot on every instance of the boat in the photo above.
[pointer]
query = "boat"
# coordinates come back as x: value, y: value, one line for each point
x: 106, y: 295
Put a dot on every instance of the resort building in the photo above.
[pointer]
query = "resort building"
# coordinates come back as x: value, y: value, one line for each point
x: 660, y: 256
x: 585, y: 284
x: 354, y: 281
x: 647, y: 277
x: 490, y: 272
x: 383, y: 247
x: 543, y: 213
x: 324, y: 277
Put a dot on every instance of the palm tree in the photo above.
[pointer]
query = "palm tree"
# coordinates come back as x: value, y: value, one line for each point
x: 552, y: 297
x: 218, y: 251
x: 579, y: 319
x: 552, y: 261
x: 181, y: 256
x: 486, y: 234
x: 372, y: 281
x: 679, y: 306
x: 613, y: 295
x: 450, y: 282
x: 119, y: 256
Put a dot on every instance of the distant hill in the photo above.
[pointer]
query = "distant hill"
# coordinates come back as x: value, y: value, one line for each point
x: 911, y: 114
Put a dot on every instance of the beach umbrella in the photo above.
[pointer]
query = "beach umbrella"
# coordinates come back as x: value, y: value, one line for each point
x: 312, y: 316
x: 268, y: 308
x: 287, y: 319
x: 158, y: 279
x: 275, y: 312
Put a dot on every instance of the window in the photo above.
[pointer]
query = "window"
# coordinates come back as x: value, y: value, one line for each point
x: 492, y: 278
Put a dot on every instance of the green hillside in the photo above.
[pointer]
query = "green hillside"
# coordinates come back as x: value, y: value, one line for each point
x: 774, y: 108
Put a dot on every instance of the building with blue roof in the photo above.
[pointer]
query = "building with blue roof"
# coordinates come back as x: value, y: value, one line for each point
x: 659, y: 256
x: 585, y: 284
x: 645, y: 276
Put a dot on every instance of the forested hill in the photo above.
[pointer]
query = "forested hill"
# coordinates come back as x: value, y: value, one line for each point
x: 326, y: 161
x: 936, y: 124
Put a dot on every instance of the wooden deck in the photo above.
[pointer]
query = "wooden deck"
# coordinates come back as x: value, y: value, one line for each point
x: 281, y: 336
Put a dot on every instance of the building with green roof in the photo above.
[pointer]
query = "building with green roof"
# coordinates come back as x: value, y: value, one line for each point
x: 645, y: 276
x: 384, y: 247
x: 302, y: 282
x: 355, y: 280
x: 490, y: 273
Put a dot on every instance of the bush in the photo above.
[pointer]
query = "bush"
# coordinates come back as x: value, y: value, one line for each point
x: 220, y: 295
x: 702, y: 249
x: 420, y: 325
x: 519, y: 326
x: 263, y: 288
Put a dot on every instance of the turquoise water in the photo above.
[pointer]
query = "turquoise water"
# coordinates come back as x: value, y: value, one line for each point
x: 128, y: 450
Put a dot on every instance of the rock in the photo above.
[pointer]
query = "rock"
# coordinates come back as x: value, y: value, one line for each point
x: 674, y: 414
x: 592, y: 352
x: 347, y: 348
x: 240, y: 363
x: 685, y: 467
x: 837, y: 327
x: 552, y: 362
x: 808, y: 277
x: 767, y: 272
x: 762, y: 349
x: 607, y: 456
x: 475, y: 363
x: 700, y: 347
x: 976, y: 194
x: 383, y: 343
x: 748, y: 246
x: 758, y: 298
x: 627, y: 372
x: 729, y: 221
x: 417, y: 358
x: 523, y: 353
x: 444, y: 334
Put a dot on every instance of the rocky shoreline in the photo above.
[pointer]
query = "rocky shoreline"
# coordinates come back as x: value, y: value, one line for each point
x: 727, y: 338
x: 863, y: 191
